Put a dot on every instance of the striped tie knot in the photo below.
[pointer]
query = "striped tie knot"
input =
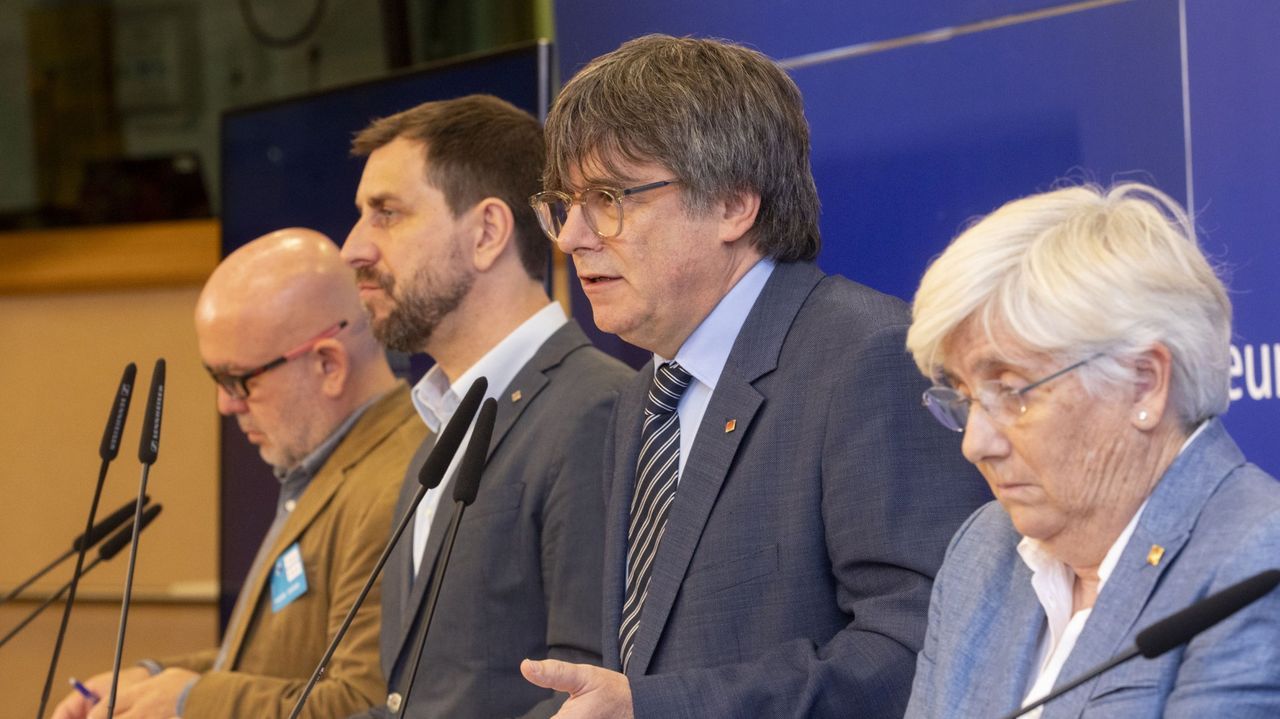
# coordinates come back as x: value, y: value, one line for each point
x: 669, y: 384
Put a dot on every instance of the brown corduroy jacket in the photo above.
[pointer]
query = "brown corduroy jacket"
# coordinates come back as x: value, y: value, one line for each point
x: 341, y: 523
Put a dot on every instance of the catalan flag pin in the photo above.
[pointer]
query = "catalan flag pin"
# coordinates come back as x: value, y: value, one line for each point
x: 730, y: 426
x: 1155, y: 555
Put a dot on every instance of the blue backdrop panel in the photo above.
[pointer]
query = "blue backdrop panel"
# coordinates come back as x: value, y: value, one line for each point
x: 288, y: 163
x: 909, y: 144
x: 1235, y: 102
x: 778, y: 29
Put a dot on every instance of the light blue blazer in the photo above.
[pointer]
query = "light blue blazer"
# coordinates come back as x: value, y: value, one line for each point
x: 1217, y: 518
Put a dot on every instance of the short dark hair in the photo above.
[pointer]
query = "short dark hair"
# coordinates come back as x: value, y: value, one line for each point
x: 476, y: 146
x: 721, y: 117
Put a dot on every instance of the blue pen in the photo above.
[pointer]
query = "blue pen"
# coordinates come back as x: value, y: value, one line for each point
x: 85, y: 691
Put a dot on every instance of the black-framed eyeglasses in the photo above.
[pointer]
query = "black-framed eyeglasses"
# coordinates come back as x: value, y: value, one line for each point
x: 1002, y: 403
x: 236, y: 384
x: 601, y: 206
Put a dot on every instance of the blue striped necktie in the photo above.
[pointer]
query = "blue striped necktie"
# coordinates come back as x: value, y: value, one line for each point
x: 657, y: 471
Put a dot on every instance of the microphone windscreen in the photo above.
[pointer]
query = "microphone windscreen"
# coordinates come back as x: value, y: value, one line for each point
x: 108, y: 525
x: 472, y: 466
x: 447, y: 442
x: 149, y: 442
x: 110, y: 446
x: 1179, y: 628
x: 120, y: 540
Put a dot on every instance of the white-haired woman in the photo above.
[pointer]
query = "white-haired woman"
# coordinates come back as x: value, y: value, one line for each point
x: 1079, y: 340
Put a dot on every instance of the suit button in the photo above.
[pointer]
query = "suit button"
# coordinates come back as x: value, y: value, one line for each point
x: 393, y: 701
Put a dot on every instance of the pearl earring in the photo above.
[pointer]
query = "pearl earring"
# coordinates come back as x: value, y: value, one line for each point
x: 1142, y: 415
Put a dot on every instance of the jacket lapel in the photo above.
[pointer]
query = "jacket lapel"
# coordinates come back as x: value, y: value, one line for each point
x: 1168, y: 519
x: 1013, y: 621
x: 367, y: 433
x: 627, y: 420
x: 532, y: 378
x: 430, y: 553
x: 397, y: 576
x: 512, y: 401
x: 755, y: 354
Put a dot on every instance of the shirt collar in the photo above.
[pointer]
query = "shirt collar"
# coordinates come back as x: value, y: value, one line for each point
x: 706, y: 351
x: 436, y: 399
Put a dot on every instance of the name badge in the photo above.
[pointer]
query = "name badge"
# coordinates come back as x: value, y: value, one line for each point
x: 288, y: 578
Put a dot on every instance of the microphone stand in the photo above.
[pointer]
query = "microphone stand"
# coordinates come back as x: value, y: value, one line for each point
x: 433, y: 469
x: 107, y: 451
x: 1174, y: 630
x: 35, y: 577
x: 107, y: 551
x: 95, y: 535
x: 148, y: 447
x: 464, y: 493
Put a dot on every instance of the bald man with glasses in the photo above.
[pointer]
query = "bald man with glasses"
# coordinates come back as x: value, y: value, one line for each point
x: 282, y: 332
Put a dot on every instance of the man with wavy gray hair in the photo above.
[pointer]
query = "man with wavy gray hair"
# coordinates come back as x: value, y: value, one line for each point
x: 777, y: 505
x: 1080, y: 342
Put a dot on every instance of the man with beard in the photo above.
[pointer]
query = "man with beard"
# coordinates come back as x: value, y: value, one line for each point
x: 282, y: 333
x: 450, y: 261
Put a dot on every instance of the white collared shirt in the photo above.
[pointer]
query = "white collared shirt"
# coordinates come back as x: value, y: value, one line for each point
x: 706, y: 351
x: 436, y: 399
x: 1054, y: 582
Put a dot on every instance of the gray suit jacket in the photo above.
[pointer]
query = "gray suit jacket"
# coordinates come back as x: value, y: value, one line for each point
x: 524, y: 578
x: 793, y: 577
x: 1218, y: 520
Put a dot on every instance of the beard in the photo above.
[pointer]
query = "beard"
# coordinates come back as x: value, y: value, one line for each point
x: 417, y: 308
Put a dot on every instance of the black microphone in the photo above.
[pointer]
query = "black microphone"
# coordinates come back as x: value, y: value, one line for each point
x: 110, y: 524
x: 433, y: 469
x: 1176, y: 629
x: 148, y: 448
x: 109, y: 549
x: 465, y: 488
x: 95, y: 535
x: 106, y: 452
x: 473, y: 460
x: 1179, y: 628
x: 115, y: 423
x: 451, y: 438
x: 124, y: 537
x: 149, y: 442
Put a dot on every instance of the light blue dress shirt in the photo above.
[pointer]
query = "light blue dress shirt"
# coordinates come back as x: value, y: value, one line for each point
x: 706, y: 351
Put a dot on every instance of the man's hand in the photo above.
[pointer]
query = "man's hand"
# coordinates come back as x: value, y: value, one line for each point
x: 154, y: 698
x: 593, y: 692
x: 75, y: 706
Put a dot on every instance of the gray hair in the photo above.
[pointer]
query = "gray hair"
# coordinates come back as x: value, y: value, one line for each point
x: 1080, y: 271
x: 721, y: 117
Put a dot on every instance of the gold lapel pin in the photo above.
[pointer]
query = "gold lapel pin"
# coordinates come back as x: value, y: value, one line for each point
x: 1155, y: 555
x: 515, y: 396
x: 730, y: 426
